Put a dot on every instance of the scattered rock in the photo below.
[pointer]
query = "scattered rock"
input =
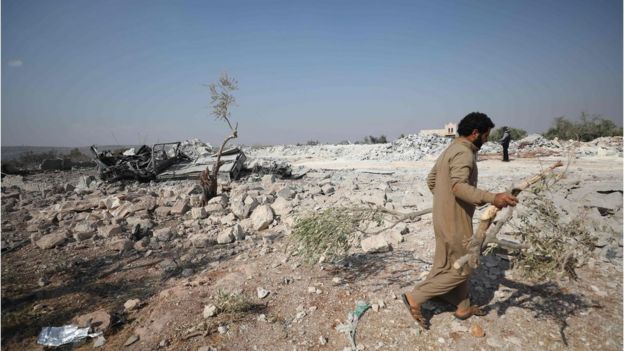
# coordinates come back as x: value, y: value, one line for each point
x: 375, y: 244
x: 121, y: 244
x: 109, y: 230
x: 132, y: 304
x: 238, y: 232
x: 199, y: 213
x: 99, y: 320
x: 477, y: 331
x: 163, y: 234
x: 262, y: 292
x: 226, y: 237
x: 51, y: 240
x: 210, y: 311
x: 261, y: 217
x: 131, y: 340
x: 200, y: 240
x: 99, y: 341
x: 180, y: 207
x: 222, y: 329
x: 286, y: 193
x: 327, y: 189
x: 162, y: 211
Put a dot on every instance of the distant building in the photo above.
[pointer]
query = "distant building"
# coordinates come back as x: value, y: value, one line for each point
x: 450, y: 129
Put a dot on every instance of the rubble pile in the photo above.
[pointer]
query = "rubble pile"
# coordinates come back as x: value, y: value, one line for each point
x: 164, y: 226
x: 415, y: 147
x: 195, y: 149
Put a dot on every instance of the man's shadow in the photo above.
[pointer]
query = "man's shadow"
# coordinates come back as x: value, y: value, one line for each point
x: 545, y: 300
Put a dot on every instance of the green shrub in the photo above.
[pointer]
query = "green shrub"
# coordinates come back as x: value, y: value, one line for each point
x: 586, y: 129
x: 516, y: 134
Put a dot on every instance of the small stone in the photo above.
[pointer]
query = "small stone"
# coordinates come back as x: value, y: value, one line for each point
x: 43, y: 281
x: 109, y: 230
x: 375, y: 244
x: 441, y: 340
x: 311, y: 289
x: 375, y: 307
x: 286, y: 193
x: 337, y: 280
x: 99, y: 320
x: 238, y: 232
x: 132, y: 304
x: 180, y: 207
x: 131, y: 340
x: 163, y: 234
x: 222, y: 329
x: 162, y: 211
x: 328, y: 189
x: 477, y: 331
x: 262, y: 293
x: 262, y: 318
x: 322, y: 340
x: 225, y: 237
x: 262, y: 217
x: 199, y: 213
x: 99, y: 341
x: 121, y: 245
x: 210, y: 311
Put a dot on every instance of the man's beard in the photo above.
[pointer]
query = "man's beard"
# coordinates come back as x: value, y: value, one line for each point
x: 478, y: 142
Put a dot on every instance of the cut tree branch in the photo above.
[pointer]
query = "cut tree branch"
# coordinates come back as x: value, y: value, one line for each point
x: 487, y: 217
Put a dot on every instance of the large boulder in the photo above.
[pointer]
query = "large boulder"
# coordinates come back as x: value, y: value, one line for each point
x: 262, y: 217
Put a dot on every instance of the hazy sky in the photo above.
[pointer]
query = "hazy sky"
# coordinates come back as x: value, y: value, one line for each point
x: 127, y: 71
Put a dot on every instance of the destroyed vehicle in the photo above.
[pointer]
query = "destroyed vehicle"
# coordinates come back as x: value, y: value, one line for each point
x: 163, y: 161
x: 143, y: 164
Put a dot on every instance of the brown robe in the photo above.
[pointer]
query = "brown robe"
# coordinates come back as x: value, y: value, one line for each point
x: 452, y: 221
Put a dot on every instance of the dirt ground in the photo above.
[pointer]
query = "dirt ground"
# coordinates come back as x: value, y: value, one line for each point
x: 305, y: 302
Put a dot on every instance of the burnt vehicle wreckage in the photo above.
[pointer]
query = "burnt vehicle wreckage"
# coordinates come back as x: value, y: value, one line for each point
x: 162, y: 162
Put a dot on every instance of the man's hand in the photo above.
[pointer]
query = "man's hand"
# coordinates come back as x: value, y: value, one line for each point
x: 503, y: 200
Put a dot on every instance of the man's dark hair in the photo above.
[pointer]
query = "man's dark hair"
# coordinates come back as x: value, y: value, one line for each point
x: 474, y: 120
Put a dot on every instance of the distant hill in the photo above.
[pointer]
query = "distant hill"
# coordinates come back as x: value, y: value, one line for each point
x: 14, y: 152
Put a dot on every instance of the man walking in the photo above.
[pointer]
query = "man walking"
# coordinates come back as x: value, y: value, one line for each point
x: 453, y: 182
x: 505, y: 142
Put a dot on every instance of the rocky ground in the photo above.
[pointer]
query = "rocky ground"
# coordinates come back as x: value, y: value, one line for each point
x: 156, y: 271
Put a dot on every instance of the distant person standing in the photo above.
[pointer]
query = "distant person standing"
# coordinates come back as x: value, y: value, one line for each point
x: 505, y: 142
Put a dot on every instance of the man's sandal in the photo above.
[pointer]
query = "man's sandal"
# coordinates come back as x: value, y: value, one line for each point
x: 469, y: 312
x: 416, y: 313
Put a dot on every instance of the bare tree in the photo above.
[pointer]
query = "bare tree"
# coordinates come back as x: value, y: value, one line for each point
x: 221, y: 101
